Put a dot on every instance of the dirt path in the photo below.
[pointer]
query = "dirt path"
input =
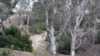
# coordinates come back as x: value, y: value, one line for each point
x: 40, y: 45
x: 38, y: 41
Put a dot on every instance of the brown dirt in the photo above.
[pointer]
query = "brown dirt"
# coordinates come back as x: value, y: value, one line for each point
x: 93, y: 50
x: 38, y: 41
x: 20, y: 53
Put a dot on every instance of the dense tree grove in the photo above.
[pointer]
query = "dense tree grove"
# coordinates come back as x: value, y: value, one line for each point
x: 77, y: 20
x: 70, y: 24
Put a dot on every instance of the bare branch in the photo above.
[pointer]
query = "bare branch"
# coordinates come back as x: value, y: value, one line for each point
x: 80, y: 43
x: 62, y: 29
x: 88, y: 31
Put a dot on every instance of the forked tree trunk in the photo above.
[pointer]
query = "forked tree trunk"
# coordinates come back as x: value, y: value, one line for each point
x: 50, y: 31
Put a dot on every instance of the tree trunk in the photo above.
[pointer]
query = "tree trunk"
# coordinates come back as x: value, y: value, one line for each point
x: 2, y: 28
x: 50, y: 31
x: 52, y: 41
x: 72, y: 52
x: 73, y: 45
x: 21, y: 24
x: 28, y: 24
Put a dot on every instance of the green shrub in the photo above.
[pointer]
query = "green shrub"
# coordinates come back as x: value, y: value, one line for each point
x: 64, y: 45
x: 5, y: 52
x: 14, y: 37
x: 6, y: 41
x: 37, y: 28
x: 98, y: 38
x: 14, y: 31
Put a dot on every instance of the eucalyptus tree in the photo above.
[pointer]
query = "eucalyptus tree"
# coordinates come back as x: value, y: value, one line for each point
x: 80, y: 24
x: 56, y: 10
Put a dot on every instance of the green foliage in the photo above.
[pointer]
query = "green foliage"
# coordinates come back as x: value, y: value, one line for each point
x: 64, y: 45
x: 3, y: 11
x: 6, y: 7
x: 5, y: 52
x: 37, y: 28
x: 98, y: 38
x: 14, y: 31
x: 14, y: 37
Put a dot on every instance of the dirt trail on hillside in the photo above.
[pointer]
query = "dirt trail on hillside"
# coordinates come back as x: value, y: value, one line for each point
x: 38, y: 41
x: 39, y: 44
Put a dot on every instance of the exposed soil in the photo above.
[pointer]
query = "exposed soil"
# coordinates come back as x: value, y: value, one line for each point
x: 38, y: 41
x: 93, y: 50
x: 20, y: 53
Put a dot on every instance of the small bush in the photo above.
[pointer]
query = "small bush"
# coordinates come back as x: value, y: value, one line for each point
x: 98, y: 38
x: 64, y: 45
x: 5, y: 52
x: 14, y: 37
x: 37, y: 28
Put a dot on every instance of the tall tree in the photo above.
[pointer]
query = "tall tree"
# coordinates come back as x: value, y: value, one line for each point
x: 24, y: 7
x: 79, y: 25
x: 51, y: 9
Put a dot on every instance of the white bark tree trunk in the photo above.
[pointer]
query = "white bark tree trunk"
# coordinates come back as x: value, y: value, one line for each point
x: 73, y: 45
x: 50, y: 30
x: 72, y: 52
x: 53, y: 41
x: 81, y: 9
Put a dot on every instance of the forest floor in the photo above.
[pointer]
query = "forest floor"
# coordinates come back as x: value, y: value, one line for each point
x: 38, y: 41
x: 92, y: 50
